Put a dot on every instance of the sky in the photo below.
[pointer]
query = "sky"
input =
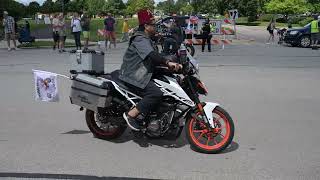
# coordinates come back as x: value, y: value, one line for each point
x: 41, y: 1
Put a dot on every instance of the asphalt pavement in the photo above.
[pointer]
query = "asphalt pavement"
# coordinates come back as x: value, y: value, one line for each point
x: 270, y: 91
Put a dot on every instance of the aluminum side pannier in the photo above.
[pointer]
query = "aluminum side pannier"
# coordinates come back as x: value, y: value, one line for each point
x: 90, y: 92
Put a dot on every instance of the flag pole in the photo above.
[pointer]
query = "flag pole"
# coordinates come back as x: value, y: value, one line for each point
x: 61, y: 75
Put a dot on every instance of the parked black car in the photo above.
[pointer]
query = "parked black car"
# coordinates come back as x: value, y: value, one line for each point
x: 299, y: 37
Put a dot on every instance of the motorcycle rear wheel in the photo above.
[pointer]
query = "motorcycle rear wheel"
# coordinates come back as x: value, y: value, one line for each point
x: 211, y: 142
x: 100, y: 132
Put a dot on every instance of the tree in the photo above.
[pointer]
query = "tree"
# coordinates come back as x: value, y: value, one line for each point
x: 287, y: 7
x: 249, y: 8
x: 15, y: 9
x: 187, y: 9
x: 213, y: 6
x: 133, y: 6
x: 168, y: 7
x: 116, y: 7
x: 314, y: 5
x: 95, y: 6
x: 50, y: 7
x: 76, y: 6
x: 32, y: 8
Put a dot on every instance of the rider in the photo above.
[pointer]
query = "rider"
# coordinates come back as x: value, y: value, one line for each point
x: 137, y: 68
x: 175, y: 39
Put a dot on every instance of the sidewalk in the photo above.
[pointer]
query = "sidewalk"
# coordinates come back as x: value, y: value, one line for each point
x: 3, y: 44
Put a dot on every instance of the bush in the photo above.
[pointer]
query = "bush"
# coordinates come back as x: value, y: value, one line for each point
x: 296, y: 19
x: 252, y: 18
x: 266, y: 17
x: 305, y: 21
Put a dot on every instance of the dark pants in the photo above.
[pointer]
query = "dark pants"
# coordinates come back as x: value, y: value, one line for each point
x: 77, y: 39
x: 206, y: 39
x: 152, y: 96
x: 314, y: 39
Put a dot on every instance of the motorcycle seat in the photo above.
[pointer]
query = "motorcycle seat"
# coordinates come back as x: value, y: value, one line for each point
x: 115, y: 78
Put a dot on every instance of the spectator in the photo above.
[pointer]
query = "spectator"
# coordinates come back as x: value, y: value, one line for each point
x: 271, y: 27
x: 173, y: 39
x: 206, y: 37
x: 315, y: 33
x: 76, y: 29
x: 125, y: 30
x: 27, y: 26
x: 109, y: 24
x: 85, y: 24
x: 9, y: 30
x: 62, y: 32
x: 55, y: 31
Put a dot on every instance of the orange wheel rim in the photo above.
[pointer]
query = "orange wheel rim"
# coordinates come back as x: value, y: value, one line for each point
x: 214, y: 139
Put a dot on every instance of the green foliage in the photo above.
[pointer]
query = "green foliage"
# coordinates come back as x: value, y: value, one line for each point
x: 50, y: 7
x: 15, y: 9
x: 116, y: 7
x: 249, y: 8
x: 133, y: 6
x: 32, y: 8
x: 287, y: 6
x: 314, y: 7
x: 95, y: 6
x: 187, y: 9
x: 305, y: 21
x: 266, y: 17
x: 168, y: 7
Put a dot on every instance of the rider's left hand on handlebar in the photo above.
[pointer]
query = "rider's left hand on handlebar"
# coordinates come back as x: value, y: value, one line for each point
x: 174, y: 66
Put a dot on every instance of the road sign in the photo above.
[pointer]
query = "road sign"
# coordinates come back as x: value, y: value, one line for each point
x: 234, y: 14
x: 215, y: 26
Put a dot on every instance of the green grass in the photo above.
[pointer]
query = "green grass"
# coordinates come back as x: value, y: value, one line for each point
x: 38, y: 44
x: 244, y: 21
x: 33, y: 25
x: 98, y: 24
x: 94, y: 26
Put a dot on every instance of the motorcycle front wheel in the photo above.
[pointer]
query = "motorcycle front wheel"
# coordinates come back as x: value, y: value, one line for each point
x: 214, y: 141
x: 103, y: 128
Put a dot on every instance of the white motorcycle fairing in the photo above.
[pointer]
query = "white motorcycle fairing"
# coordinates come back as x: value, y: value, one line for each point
x: 174, y: 90
x: 178, y: 93
x: 208, y: 108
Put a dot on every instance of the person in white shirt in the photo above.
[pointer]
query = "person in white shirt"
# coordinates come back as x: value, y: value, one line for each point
x: 76, y: 29
x: 55, y: 31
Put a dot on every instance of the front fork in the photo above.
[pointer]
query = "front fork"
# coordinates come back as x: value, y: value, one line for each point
x: 203, y: 108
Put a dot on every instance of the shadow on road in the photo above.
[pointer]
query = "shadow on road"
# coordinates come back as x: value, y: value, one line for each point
x: 143, y: 141
x: 58, y: 176
x: 165, y: 142
x: 76, y: 131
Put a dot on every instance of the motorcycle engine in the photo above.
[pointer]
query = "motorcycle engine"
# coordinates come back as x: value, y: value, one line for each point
x: 159, y: 124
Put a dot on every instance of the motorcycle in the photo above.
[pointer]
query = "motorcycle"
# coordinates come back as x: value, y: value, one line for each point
x: 209, y: 128
x: 161, y: 38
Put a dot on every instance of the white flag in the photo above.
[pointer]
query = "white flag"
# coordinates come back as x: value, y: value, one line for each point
x: 46, y: 86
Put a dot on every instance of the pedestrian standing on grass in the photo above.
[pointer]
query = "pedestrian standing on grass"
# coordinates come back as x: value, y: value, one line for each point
x: 62, y: 32
x: 125, y: 30
x: 9, y: 30
x: 271, y: 27
x: 76, y: 30
x: 109, y: 24
x: 85, y: 24
x: 55, y: 31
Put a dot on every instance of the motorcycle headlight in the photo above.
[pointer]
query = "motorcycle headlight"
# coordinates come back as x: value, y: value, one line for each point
x: 293, y: 32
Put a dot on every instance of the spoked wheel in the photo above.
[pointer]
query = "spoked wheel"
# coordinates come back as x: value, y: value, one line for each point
x: 102, y: 127
x: 214, y: 141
